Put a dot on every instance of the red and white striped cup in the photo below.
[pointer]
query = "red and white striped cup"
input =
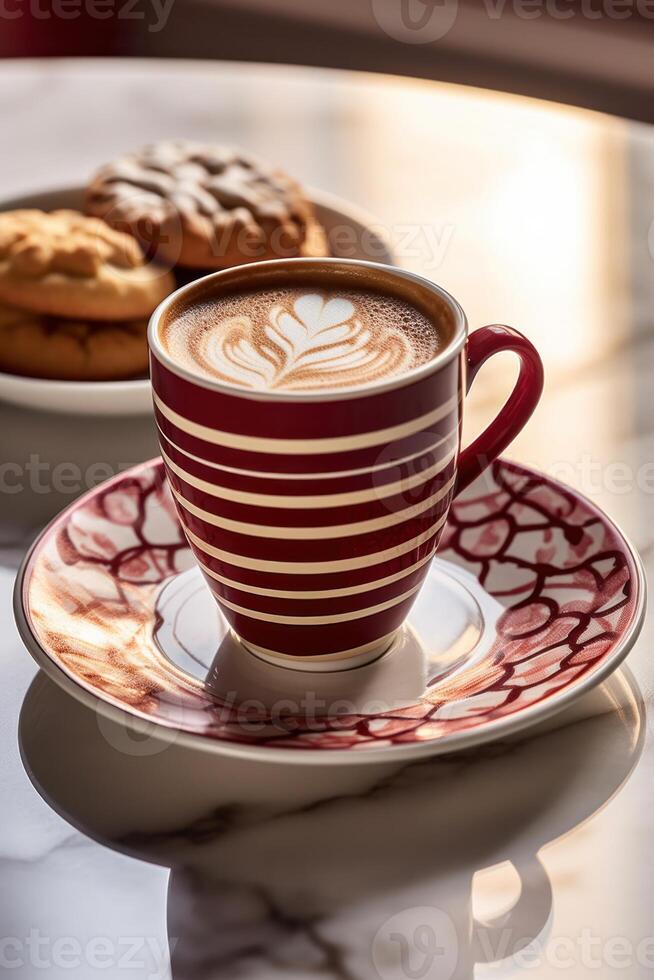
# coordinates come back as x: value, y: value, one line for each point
x: 314, y: 514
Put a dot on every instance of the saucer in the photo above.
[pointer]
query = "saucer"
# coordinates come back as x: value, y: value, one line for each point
x: 352, y: 233
x: 535, y: 597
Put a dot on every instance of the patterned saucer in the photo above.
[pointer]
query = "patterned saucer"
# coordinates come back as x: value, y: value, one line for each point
x: 535, y: 597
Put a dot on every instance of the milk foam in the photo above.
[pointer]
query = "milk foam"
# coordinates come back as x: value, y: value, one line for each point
x: 301, y: 339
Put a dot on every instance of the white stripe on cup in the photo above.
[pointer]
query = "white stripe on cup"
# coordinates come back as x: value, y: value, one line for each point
x: 315, y: 533
x: 319, y: 620
x: 310, y: 501
x: 322, y: 593
x: 314, y: 567
x: 304, y: 447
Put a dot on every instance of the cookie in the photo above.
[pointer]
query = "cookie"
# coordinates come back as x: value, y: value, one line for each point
x: 71, y: 350
x: 206, y: 206
x: 66, y: 264
x: 315, y: 244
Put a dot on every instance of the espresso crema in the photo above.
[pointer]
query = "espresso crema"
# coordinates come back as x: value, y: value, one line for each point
x: 301, y: 339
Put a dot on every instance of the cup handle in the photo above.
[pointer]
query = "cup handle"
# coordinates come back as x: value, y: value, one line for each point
x: 481, y: 345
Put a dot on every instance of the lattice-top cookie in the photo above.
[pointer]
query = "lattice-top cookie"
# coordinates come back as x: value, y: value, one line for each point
x: 206, y: 206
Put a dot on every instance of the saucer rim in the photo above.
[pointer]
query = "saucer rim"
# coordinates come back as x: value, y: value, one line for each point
x: 492, y: 731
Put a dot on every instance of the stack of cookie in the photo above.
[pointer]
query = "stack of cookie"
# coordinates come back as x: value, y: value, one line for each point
x: 75, y: 297
x: 76, y: 290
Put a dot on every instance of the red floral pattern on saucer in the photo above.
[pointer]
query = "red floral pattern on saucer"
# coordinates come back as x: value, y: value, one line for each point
x: 570, y: 584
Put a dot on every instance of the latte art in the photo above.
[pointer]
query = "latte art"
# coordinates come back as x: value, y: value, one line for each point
x: 302, y: 340
x: 317, y: 342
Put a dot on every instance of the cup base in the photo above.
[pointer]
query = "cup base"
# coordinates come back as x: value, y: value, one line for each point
x: 346, y: 660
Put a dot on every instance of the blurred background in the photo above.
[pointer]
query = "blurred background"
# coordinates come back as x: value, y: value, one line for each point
x: 593, y: 53
x: 532, y: 211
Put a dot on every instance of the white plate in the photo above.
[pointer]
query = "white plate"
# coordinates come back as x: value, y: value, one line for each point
x: 365, y: 239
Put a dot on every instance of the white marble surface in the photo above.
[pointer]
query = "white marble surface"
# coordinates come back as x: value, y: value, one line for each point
x: 543, y: 217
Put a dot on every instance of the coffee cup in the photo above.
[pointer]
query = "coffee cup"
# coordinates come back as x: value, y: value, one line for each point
x: 314, y: 489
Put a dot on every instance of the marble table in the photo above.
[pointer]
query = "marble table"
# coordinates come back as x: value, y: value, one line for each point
x: 535, y: 855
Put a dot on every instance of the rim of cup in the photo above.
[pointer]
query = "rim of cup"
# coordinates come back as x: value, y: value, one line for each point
x: 201, y: 289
